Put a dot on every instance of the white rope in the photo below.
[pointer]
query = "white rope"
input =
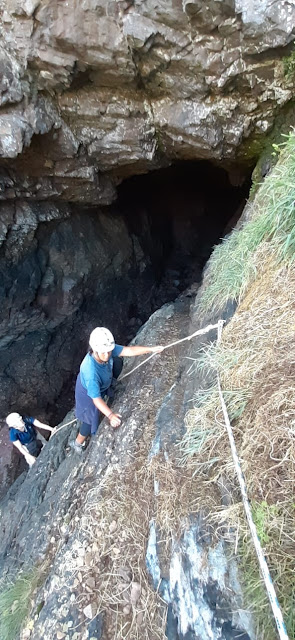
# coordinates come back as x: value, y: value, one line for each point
x: 172, y: 344
x: 62, y: 426
x: 260, y: 555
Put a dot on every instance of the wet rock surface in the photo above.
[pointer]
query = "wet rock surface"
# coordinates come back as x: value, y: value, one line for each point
x: 65, y: 270
x: 44, y: 517
x: 62, y: 273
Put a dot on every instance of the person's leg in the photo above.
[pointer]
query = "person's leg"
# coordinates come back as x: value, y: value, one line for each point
x: 80, y: 439
x: 84, y: 431
x: 39, y: 446
x: 34, y: 447
x: 41, y: 438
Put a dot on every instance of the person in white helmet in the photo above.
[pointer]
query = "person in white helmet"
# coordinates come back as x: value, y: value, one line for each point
x: 25, y: 437
x: 97, y: 370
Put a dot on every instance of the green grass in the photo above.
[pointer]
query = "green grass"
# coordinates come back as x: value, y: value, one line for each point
x: 263, y: 514
x: 269, y: 523
x: 214, y: 357
x: 203, y: 427
x: 289, y: 66
x: 256, y: 599
x: 15, y: 602
x: 232, y: 266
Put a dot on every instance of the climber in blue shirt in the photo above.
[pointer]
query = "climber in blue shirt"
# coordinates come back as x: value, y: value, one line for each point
x: 95, y: 379
x: 25, y: 437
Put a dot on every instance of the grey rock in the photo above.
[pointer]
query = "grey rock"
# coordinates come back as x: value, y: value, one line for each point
x: 124, y: 88
x: 202, y: 585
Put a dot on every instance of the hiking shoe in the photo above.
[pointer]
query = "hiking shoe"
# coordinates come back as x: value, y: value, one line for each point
x: 76, y: 446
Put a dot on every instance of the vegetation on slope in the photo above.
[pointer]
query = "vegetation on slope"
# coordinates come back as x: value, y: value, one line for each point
x: 234, y: 262
x: 15, y: 603
x: 255, y: 360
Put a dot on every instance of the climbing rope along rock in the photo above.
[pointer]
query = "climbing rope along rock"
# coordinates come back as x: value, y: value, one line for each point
x: 260, y: 555
x: 172, y: 344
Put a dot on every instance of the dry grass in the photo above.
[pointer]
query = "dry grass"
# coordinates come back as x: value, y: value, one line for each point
x: 115, y: 528
x: 256, y: 358
x: 117, y: 519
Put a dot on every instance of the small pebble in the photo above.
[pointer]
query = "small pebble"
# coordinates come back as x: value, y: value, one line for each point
x: 113, y: 526
x: 88, y: 613
x: 127, y: 609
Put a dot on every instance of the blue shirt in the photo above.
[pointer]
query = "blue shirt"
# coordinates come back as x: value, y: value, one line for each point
x: 95, y: 377
x: 26, y: 436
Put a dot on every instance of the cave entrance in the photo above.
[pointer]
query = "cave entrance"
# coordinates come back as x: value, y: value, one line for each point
x: 178, y: 214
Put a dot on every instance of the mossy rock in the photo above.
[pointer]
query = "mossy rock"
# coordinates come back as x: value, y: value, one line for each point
x: 263, y: 148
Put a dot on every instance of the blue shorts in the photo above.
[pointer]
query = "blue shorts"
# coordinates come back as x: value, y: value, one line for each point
x: 85, y: 429
x: 86, y: 410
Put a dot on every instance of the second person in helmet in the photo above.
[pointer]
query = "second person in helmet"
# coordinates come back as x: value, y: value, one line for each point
x: 97, y: 370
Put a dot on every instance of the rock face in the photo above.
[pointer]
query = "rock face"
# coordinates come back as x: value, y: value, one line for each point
x: 65, y: 270
x: 94, y: 91
x: 62, y: 272
x: 69, y: 519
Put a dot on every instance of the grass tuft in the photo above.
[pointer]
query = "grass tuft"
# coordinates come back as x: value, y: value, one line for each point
x: 289, y: 65
x: 15, y: 602
x: 232, y: 266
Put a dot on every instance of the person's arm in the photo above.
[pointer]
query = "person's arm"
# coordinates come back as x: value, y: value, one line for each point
x: 41, y: 425
x: 29, y: 458
x: 114, y: 418
x: 140, y: 350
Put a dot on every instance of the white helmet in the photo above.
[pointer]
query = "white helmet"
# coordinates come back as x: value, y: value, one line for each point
x: 101, y: 340
x: 14, y: 420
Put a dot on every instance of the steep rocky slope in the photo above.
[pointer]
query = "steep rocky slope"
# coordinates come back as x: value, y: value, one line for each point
x: 144, y: 536
x: 94, y: 92
x: 89, y: 520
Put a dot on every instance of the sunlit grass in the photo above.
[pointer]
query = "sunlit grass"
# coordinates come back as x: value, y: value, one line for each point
x: 232, y: 266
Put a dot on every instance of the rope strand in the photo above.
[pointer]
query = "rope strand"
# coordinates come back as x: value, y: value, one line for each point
x: 259, y: 552
x: 172, y: 344
x: 260, y: 555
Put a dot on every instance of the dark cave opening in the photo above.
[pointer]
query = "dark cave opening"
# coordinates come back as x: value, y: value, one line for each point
x: 178, y: 215
x: 174, y: 216
x: 111, y: 266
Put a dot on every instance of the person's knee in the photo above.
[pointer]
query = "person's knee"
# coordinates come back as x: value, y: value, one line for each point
x: 85, y: 430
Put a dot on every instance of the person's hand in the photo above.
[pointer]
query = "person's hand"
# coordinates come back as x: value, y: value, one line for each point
x: 115, y: 420
x: 157, y: 349
x: 30, y: 459
x: 53, y: 430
